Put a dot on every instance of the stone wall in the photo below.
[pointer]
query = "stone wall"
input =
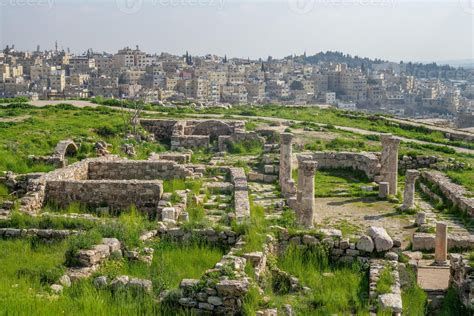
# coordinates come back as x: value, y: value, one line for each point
x: 432, y: 162
x: 426, y: 242
x: 462, y: 279
x: 46, y: 234
x: 455, y: 193
x: 342, y: 249
x: 368, y: 163
x: 191, y: 133
x: 241, y: 194
x: 181, y: 158
x: 210, y: 235
x: 137, y: 169
x: 162, y: 129
x: 116, y: 194
x: 224, y: 296
x: 190, y: 142
x: 225, y: 140
x: 35, y: 197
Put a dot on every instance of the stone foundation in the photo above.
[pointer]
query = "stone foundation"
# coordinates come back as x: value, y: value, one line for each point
x: 455, y: 193
x: 225, y: 140
x: 426, y: 241
x: 137, y: 169
x: 366, y: 162
x: 115, y: 194
x: 241, y: 194
x: 462, y: 279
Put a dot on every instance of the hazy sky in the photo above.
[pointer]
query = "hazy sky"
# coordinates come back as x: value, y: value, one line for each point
x: 395, y: 30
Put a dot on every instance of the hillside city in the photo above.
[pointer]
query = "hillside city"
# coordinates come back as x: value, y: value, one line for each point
x: 331, y: 79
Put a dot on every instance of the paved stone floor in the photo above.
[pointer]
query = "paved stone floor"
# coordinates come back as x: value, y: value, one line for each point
x: 431, y: 277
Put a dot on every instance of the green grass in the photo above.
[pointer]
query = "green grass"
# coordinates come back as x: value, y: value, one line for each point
x: 245, y: 147
x: 172, y: 262
x: 452, y: 305
x: 254, y: 230
x: 172, y: 185
x: 3, y: 193
x: 339, y: 290
x: 339, y: 182
x: 45, y: 127
x: 414, y: 298
x: 386, y: 280
x: 29, y: 268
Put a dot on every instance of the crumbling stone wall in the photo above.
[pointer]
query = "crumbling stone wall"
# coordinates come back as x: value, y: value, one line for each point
x: 116, y: 194
x: 427, y: 242
x: 58, y: 159
x: 225, y: 140
x: 241, y: 194
x: 451, y: 191
x: 162, y: 129
x: 462, y: 279
x: 191, y: 141
x: 181, y: 158
x: 137, y: 169
x: 369, y: 163
x: 191, y: 133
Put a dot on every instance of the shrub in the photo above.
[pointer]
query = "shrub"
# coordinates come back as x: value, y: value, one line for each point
x: 107, y: 131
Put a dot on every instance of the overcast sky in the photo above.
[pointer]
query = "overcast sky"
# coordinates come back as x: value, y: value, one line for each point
x: 420, y: 30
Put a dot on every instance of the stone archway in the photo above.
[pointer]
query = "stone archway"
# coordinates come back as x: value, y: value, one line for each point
x: 65, y: 148
x: 213, y: 128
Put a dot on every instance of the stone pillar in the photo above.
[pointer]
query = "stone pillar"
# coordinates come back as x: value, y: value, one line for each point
x: 409, y: 193
x: 286, y: 154
x: 383, y: 190
x: 389, y: 161
x: 441, y: 250
x: 300, y: 185
x: 307, y: 208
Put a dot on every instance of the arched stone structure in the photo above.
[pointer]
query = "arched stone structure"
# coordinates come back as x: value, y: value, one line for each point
x: 65, y: 148
x: 213, y: 128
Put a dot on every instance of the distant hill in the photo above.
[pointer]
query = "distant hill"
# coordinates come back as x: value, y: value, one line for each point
x: 421, y: 70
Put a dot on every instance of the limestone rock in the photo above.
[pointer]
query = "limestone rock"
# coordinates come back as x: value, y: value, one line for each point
x: 365, y: 243
x: 232, y: 287
x: 65, y: 281
x: 56, y: 288
x: 391, y: 302
x: 100, y: 281
x: 140, y: 285
x: 382, y: 240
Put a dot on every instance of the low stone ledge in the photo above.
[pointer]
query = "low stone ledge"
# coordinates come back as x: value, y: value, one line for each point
x: 451, y: 191
x: 462, y: 279
x: 222, y: 298
x: 94, y: 256
x: 387, y: 301
x: 369, y: 163
x: 226, y: 237
x: 426, y: 242
x: 33, y: 232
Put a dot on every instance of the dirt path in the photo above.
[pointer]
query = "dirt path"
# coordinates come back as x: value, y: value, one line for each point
x: 356, y: 215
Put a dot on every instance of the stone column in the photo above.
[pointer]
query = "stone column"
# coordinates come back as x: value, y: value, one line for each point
x: 409, y: 193
x: 286, y: 153
x: 307, y: 207
x: 441, y: 250
x: 300, y: 185
x: 389, y: 161
x: 383, y: 190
